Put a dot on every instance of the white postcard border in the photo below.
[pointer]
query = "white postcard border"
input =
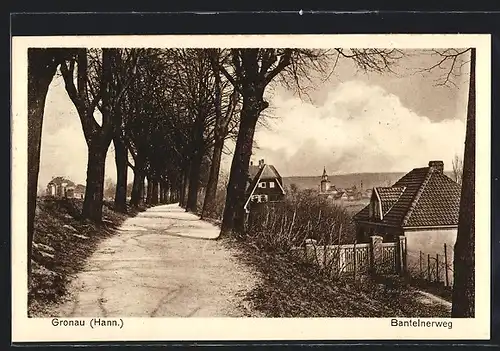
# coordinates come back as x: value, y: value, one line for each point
x: 26, y: 329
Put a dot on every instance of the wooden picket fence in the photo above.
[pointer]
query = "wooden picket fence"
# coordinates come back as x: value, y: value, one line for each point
x: 357, y: 259
x: 388, y: 262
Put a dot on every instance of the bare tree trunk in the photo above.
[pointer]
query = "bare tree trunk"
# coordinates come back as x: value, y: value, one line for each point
x: 41, y: 70
x: 162, y: 191
x: 464, y: 260
x: 184, y: 186
x: 194, y: 181
x: 121, y: 159
x: 143, y: 190
x: 94, y: 192
x: 211, y: 192
x: 154, y: 191
x: 234, y: 213
x: 137, y: 195
x: 220, y: 132
x: 149, y: 191
x: 181, y: 193
x: 170, y: 193
x: 98, y: 144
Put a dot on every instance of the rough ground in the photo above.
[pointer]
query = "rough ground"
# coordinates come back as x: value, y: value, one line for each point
x: 63, y: 242
x: 161, y: 263
x: 292, y: 288
x: 430, y: 299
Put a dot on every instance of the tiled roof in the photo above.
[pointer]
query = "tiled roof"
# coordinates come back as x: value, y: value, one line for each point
x: 253, y: 180
x: 438, y: 204
x: 276, y: 175
x: 389, y: 196
x: 265, y: 173
x: 252, y: 171
x: 60, y: 180
x: 268, y: 173
x: 429, y: 198
x: 363, y: 215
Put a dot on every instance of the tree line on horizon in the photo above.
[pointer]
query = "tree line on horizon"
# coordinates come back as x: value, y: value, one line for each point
x: 169, y: 112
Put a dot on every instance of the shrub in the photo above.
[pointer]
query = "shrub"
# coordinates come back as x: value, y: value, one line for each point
x: 283, y: 225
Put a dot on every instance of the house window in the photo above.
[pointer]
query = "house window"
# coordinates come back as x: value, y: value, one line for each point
x: 263, y: 198
x: 271, y: 184
x: 262, y: 184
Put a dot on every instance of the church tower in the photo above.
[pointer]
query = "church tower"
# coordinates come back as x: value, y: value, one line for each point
x: 325, y: 183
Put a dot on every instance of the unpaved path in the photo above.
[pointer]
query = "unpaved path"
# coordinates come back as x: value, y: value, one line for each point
x: 430, y: 299
x: 161, y: 263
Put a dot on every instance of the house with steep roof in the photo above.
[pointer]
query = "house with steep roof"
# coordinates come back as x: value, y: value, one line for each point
x: 423, y: 206
x: 264, y: 184
x: 60, y: 187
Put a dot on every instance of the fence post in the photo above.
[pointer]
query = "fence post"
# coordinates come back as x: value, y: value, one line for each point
x: 310, y: 250
x: 375, y: 252
x: 446, y: 266
x: 429, y: 268
x: 437, y: 267
x: 399, y: 258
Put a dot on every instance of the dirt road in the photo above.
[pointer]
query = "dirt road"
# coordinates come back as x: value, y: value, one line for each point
x: 161, y: 263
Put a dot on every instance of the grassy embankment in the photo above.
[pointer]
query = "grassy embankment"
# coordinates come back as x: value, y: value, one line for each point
x: 62, y: 244
x: 291, y: 287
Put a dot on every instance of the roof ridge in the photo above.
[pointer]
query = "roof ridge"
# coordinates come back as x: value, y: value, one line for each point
x: 417, y: 196
x: 448, y: 179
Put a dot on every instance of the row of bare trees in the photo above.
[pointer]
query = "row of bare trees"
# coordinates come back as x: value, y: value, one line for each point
x: 169, y: 112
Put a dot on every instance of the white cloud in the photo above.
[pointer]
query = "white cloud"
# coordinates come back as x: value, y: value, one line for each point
x: 359, y: 128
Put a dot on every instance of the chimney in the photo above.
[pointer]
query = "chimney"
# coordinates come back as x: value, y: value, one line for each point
x: 251, y: 163
x: 261, y: 163
x: 437, y: 165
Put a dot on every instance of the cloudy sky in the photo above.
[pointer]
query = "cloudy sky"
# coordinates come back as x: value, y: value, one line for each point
x: 359, y: 122
x: 353, y: 122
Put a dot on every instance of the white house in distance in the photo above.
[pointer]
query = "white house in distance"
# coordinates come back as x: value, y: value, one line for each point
x: 423, y: 206
x: 62, y: 187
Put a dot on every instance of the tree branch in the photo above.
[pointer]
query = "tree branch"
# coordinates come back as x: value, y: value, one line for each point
x: 282, y: 63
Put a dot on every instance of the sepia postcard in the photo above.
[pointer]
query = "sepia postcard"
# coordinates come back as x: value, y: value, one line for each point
x: 250, y: 187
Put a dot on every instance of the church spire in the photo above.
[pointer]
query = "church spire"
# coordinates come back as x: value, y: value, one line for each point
x: 324, y: 176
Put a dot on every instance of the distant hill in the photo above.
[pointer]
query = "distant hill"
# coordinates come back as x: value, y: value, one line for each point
x: 369, y: 180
